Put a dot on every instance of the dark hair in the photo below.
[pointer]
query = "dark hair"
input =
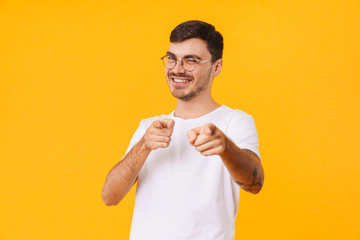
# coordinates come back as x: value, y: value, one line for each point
x: 202, y: 30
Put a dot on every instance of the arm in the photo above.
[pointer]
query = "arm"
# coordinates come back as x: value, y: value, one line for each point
x: 243, y: 165
x: 124, y: 174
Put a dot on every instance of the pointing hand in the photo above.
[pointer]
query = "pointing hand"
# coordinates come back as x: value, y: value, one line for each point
x: 207, y: 139
x: 158, y: 135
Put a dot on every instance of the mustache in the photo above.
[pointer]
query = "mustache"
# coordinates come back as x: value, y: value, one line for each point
x: 184, y: 75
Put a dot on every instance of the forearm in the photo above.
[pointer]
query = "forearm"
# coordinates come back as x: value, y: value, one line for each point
x: 244, y: 167
x: 123, y: 175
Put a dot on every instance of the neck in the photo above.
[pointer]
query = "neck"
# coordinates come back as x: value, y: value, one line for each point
x: 194, y: 108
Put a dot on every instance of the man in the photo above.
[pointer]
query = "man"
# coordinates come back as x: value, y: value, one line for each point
x: 189, y: 165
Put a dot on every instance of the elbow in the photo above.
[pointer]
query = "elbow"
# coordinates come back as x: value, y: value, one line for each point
x: 108, y: 200
x: 258, y: 186
x: 256, y: 190
x: 109, y: 203
x: 253, y: 188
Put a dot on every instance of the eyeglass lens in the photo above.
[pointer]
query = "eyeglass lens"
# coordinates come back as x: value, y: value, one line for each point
x: 188, y: 64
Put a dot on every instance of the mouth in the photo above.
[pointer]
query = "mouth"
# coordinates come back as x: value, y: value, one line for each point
x: 180, y: 80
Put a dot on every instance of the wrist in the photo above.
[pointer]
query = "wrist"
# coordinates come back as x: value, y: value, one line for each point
x: 226, y: 147
x: 143, y: 148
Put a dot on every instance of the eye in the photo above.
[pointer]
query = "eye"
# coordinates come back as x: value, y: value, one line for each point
x: 190, y: 60
x: 171, y: 58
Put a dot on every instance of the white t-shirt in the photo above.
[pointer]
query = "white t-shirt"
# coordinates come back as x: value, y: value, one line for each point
x: 182, y: 194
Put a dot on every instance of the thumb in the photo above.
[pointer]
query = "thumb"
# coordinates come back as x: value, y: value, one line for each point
x: 192, y: 134
x: 207, y: 129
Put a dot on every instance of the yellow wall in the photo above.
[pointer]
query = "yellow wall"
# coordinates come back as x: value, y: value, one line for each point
x: 76, y: 77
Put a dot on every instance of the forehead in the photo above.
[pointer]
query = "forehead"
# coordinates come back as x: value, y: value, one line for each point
x: 192, y: 46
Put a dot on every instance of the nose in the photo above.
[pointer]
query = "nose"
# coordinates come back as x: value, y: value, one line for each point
x: 179, y: 68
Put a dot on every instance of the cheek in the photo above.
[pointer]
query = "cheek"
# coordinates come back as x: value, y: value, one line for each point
x: 198, y: 74
x: 167, y: 73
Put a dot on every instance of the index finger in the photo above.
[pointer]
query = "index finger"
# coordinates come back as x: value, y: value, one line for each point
x: 208, y: 129
x: 168, y: 123
x: 156, y: 124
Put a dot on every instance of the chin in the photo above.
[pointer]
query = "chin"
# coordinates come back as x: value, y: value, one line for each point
x: 184, y: 97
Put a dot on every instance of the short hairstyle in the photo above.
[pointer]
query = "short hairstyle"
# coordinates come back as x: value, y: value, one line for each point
x: 202, y: 30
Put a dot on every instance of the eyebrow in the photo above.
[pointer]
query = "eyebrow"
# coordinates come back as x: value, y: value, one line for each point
x: 187, y: 56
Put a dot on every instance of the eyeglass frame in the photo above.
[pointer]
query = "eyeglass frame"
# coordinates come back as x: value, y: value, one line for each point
x: 181, y: 62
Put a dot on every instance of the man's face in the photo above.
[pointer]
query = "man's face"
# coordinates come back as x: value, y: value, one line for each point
x: 186, y: 85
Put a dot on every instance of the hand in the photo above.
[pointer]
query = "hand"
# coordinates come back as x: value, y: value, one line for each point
x: 208, y: 139
x: 158, y: 135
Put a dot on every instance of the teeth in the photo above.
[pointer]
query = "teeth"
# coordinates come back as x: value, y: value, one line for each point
x: 180, y: 80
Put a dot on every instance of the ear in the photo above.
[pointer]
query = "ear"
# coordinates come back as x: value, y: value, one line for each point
x: 217, y: 67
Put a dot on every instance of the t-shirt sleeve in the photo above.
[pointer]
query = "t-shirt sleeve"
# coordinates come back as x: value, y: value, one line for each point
x: 140, y: 131
x: 242, y: 131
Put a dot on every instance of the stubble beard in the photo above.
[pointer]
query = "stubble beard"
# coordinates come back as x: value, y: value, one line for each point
x: 203, y: 83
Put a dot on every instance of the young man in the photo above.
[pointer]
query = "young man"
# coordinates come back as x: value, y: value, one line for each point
x: 189, y: 164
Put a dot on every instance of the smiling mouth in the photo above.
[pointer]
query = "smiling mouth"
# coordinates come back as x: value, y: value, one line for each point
x: 180, y: 80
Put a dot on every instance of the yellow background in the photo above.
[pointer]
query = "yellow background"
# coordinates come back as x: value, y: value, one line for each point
x: 76, y: 77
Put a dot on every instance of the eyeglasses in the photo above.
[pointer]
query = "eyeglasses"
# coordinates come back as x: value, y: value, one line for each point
x: 188, y: 63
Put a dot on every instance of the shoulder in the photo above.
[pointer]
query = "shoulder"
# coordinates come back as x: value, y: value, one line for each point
x: 236, y: 121
x: 242, y: 131
x: 236, y: 115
